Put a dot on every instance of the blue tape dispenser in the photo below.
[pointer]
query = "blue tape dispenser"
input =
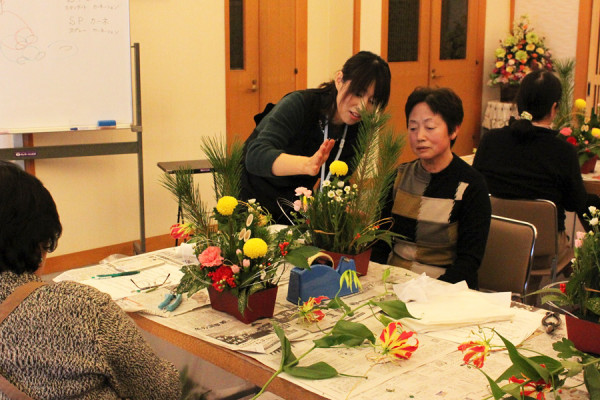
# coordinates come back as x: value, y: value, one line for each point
x: 320, y: 280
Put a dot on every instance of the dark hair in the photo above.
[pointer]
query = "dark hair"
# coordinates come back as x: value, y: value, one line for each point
x: 537, y: 94
x: 28, y: 220
x: 363, y: 69
x: 442, y: 101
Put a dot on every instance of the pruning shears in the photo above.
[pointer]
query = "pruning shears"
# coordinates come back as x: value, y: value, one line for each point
x: 171, y: 302
x: 551, y: 321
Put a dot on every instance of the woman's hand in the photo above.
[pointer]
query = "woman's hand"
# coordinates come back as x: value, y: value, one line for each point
x: 288, y: 164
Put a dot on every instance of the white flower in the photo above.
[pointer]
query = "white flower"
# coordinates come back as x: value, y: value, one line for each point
x: 338, y: 199
x: 594, y: 221
x: 339, y: 192
x: 330, y: 194
x: 592, y: 209
x: 340, y: 184
x: 326, y: 183
x: 251, y: 201
x: 347, y: 189
x: 355, y: 186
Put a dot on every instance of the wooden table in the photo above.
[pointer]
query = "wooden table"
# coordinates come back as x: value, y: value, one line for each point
x: 592, y: 185
x: 231, y: 361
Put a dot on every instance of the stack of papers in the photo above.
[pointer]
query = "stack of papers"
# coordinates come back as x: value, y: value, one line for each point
x: 441, y: 306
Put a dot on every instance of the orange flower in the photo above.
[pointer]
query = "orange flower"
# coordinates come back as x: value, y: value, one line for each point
x: 308, y: 314
x: 528, y: 389
x: 397, y: 343
x: 181, y: 231
x: 475, y: 352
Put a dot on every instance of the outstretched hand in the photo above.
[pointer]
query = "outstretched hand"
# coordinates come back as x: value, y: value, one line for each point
x: 313, y: 166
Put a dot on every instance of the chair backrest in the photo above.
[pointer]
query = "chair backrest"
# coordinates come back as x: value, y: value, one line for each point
x: 540, y: 213
x: 508, y: 256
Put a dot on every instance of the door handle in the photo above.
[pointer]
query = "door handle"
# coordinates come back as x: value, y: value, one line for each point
x: 434, y: 76
x: 254, y: 86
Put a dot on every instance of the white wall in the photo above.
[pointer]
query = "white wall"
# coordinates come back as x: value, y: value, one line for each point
x: 497, y: 26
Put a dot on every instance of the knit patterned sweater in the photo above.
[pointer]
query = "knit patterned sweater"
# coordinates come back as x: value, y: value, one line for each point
x: 70, y: 341
x: 444, y: 219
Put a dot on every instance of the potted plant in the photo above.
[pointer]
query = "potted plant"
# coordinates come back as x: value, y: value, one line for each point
x: 239, y: 259
x: 521, y: 52
x: 344, y: 217
x: 584, y: 134
x: 580, y: 296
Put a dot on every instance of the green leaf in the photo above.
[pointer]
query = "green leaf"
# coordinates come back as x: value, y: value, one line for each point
x: 384, y: 319
x: 338, y: 303
x: 287, y: 356
x: 497, y: 392
x: 591, y: 378
x: 527, y: 367
x: 386, y: 275
x: 573, y: 368
x: 394, y: 308
x: 319, y: 370
x: 348, y: 333
x: 299, y: 257
x: 593, y: 304
x: 566, y: 349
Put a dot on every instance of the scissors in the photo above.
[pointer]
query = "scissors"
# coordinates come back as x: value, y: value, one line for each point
x: 550, y: 322
x: 171, y: 302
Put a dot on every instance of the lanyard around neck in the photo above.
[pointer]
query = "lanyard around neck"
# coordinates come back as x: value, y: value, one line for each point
x: 342, y: 142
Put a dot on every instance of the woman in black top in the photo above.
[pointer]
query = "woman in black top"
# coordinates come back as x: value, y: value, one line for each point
x: 527, y: 159
x: 296, y: 141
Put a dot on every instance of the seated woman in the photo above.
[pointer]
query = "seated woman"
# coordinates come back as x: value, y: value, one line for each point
x: 440, y: 205
x: 527, y: 159
x: 65, y: 340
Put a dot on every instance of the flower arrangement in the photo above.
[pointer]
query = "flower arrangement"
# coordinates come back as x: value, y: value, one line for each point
x: 583, y: 133
x: 532, y: 377
x: 392, y: 345
x: 521, y: 52
x: 582, y: 292
x: 344, y: 215
x: 235, y: 250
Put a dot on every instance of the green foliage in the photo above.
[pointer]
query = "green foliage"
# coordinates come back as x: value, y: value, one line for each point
x: 565, y: 68
x: 227, y: 165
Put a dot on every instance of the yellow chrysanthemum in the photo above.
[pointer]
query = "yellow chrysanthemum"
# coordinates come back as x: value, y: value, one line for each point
x: 226, y: 205
x: 255, y: 248
x: 338, y: 168
x: 580, y: 104
x: 596, y: 132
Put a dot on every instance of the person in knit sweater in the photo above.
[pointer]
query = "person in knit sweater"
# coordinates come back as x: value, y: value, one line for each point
x: 439, y: 204
x: 66, y: 340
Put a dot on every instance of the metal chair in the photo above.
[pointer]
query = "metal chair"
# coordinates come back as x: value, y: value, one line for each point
x: 508, y: 256
x: 542, y: 214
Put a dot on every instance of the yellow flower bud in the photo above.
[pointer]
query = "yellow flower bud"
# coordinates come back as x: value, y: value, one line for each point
x: 226, y: 205
x: 580, y: 104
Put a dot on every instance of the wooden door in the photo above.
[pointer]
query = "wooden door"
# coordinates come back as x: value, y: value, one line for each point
x: 262, y: 57
x: 593, y: 89
x: 435, y: 43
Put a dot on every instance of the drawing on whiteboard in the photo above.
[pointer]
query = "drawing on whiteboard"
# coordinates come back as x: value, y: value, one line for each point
x: 17, y: 39
x: 19, y: 43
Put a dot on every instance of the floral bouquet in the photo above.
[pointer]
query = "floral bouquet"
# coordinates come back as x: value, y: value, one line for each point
x: 344, y: 216
x: 521, y: 52
x: 240, y: 256
x: 582, y: 292
x: 583, y: 133
x: 235, y: 250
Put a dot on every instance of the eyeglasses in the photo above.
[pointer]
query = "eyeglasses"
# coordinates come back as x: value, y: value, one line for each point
x: 147, y: 286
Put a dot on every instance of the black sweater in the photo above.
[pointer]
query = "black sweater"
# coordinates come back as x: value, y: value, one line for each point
x: 537, y: 166
x: 293, y: 126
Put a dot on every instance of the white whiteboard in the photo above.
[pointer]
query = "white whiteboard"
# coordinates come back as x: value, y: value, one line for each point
x: 64, y: 64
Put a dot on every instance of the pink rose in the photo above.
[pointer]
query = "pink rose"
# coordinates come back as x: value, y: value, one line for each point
x: 246, y: 263
x: 302, y: 191
x: 235, y: 268
x: 566, y: 131
x: 578, y: 243
x: 210, y: 257
x: 580, y: 235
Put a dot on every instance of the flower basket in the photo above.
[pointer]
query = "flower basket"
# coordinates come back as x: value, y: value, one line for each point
x: 508, y: 92
x: 361, y: 260
x: 584, y: 334
x: 589, y: 165
x: 260, y: 304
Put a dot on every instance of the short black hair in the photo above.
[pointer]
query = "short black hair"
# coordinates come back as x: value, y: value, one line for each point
x: 366, y: 68
x: 442, y: 101
x: 538, y: 92
x: 29, y: 221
